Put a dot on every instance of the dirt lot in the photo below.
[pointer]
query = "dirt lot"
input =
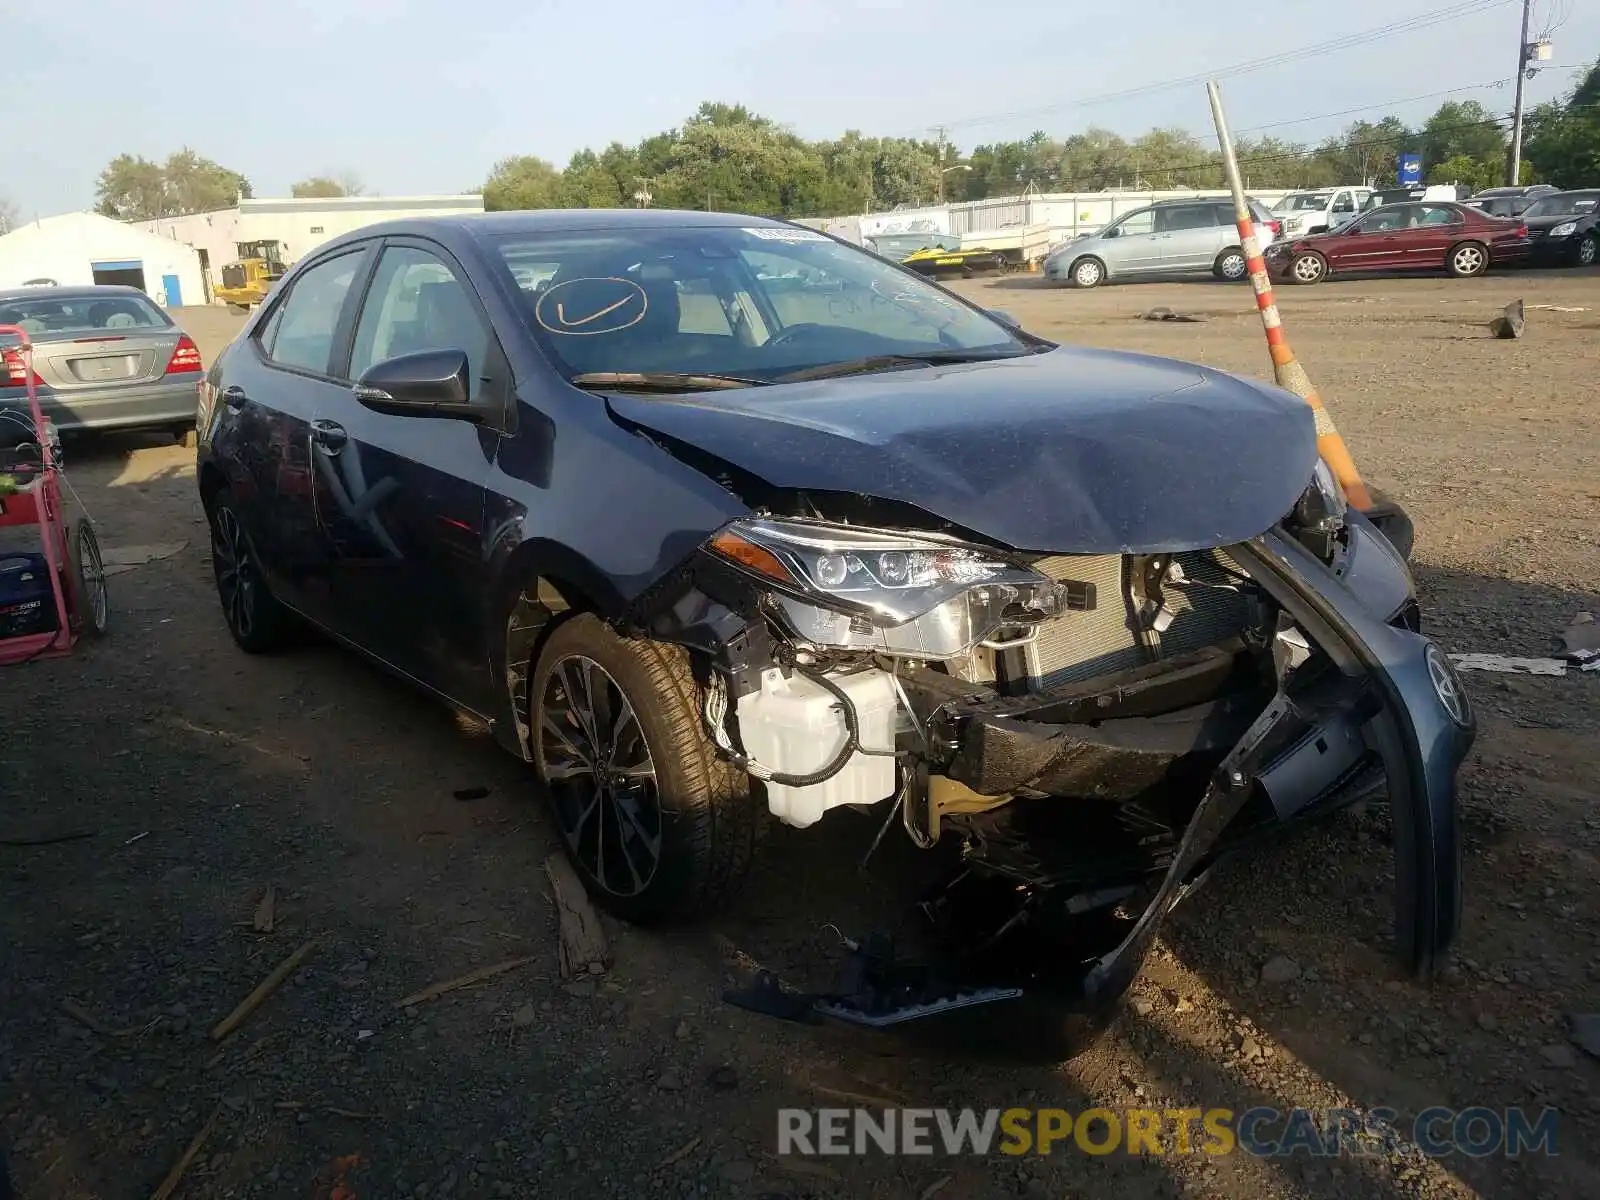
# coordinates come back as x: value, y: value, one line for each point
x: 203, y: 776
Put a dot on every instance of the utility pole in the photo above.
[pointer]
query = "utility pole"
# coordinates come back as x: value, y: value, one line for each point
x: 1515, y: 168
x: 938, y: 161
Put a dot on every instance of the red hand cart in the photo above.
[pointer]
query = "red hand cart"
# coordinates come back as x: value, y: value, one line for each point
x: 71, y: 555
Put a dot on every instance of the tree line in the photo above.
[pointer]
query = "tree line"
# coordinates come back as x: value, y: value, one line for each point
x: 727, y: 157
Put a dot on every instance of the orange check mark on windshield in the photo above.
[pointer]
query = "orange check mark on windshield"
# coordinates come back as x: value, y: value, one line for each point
x: 561, y: 313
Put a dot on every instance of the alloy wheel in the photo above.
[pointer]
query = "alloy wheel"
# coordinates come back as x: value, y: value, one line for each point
x: 601, y: 776
x: 236, y: 576
x: 1307, y: 268
x: 1586, y: 252
x: 1087, y: 273
x: 1233, y: 267
x: 1468, y: 260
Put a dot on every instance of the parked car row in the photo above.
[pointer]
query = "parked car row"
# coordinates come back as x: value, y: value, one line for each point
x: 1310, y: 236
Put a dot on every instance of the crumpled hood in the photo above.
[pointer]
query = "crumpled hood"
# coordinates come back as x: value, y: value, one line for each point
x: 1072, y: 451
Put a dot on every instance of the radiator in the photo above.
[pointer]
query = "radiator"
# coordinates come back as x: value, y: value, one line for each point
x: 1206, y: 610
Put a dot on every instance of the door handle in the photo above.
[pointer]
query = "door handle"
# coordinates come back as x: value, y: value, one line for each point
x: 330, y: 435
x: 234, y: 397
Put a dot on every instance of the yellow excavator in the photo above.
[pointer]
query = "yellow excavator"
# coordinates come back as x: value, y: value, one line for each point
x: 248, y: 278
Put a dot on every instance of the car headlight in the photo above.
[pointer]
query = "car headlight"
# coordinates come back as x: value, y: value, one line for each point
x: 1318, y: 517
x: 1565, y: 229
x: 880, y: 590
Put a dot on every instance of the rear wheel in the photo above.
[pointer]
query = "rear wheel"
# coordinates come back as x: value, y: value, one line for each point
x: 257, y: 622
x: 656, y: 824
x: 1467, y: 260
x: 1088, y: 272
x: 1308, y: 267
x: 1230, y: 266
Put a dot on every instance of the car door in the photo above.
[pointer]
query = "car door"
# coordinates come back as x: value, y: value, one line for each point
x: 1343, y: 208
x: 1373, y: 244
x: 1130, y: 244
x: 402, y: 497
x: 1428, y: 242
x: 270, y: 386
x: 1186, y: 238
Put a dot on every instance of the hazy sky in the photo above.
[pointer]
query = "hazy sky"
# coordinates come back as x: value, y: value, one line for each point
x: 422, y: 96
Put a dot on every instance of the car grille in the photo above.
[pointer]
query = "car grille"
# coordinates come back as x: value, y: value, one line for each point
x: 1206, y: 609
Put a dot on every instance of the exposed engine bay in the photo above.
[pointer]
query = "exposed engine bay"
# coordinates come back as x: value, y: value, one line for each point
x: 1094, y: 730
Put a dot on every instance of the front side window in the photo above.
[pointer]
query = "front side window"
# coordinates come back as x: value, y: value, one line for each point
x: 755, y: 303
x: 1387, y: 220
x: 1135, y: 224
x: 417, y: 303
x: 300, y: 333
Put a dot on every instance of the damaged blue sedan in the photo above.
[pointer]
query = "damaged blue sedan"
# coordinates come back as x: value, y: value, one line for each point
x: 714, y: 519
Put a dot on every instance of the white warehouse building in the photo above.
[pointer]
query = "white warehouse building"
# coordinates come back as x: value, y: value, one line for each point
x: 298, y: 226
x: 75, y: 249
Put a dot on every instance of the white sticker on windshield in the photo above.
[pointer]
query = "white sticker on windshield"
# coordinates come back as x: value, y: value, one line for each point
x: 787, y: 235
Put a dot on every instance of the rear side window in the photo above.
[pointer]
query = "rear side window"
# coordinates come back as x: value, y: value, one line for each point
x: 1439, y: 214
x: 1186, y: 216
x: 300, y: 333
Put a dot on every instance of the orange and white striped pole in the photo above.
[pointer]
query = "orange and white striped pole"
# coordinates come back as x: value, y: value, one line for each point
x: 1286, y: 369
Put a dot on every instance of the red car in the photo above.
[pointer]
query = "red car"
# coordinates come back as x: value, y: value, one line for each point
x: 1418, y: 236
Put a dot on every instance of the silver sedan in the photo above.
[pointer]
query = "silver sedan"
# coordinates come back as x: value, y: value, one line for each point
x: 103, y: 358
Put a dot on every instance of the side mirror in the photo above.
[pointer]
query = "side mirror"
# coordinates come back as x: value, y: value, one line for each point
x: 432, y: 383
x: 1005, y: 318
x: 1112, y: 232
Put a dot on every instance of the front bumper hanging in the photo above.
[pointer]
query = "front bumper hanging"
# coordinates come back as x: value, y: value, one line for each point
x: 1392, y: 699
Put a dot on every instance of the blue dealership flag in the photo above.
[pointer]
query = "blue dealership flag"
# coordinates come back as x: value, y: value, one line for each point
x: 1410, y: 170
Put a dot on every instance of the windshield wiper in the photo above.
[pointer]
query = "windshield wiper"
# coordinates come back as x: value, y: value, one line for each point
x: 660, y: 381
x: 890, y: 362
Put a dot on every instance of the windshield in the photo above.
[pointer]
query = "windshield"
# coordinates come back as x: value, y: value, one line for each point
x: 73, y: 314
x: 1301, y: 202
x: 755, y: 303
x: 1566, y: 204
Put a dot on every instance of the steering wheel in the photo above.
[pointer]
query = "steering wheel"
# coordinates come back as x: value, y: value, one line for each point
x: 793, y: 333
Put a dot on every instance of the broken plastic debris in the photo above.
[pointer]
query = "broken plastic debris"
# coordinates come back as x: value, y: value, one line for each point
x: 1507, y: 665
x: 1580, y: 644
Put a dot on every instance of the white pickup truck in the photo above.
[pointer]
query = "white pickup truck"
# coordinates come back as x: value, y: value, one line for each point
x: 1319, y: 210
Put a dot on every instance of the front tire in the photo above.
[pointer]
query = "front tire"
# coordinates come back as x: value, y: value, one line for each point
x: 1587, y: 251
x: 1088, y: 273
x: 655, y: 823
x: 1308, y: 268
x: 255, y: 618
x: 1467, y: 260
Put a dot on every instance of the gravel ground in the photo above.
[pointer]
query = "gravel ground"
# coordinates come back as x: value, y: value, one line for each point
x: 201, y: 777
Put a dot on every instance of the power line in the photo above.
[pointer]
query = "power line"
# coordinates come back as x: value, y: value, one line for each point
x: 1333, y: 45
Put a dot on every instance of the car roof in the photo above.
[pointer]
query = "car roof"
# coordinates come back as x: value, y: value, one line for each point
x: 107, y: 290
x: 554, y: 220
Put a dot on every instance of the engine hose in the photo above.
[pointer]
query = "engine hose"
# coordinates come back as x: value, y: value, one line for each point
x: 716, y: 712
